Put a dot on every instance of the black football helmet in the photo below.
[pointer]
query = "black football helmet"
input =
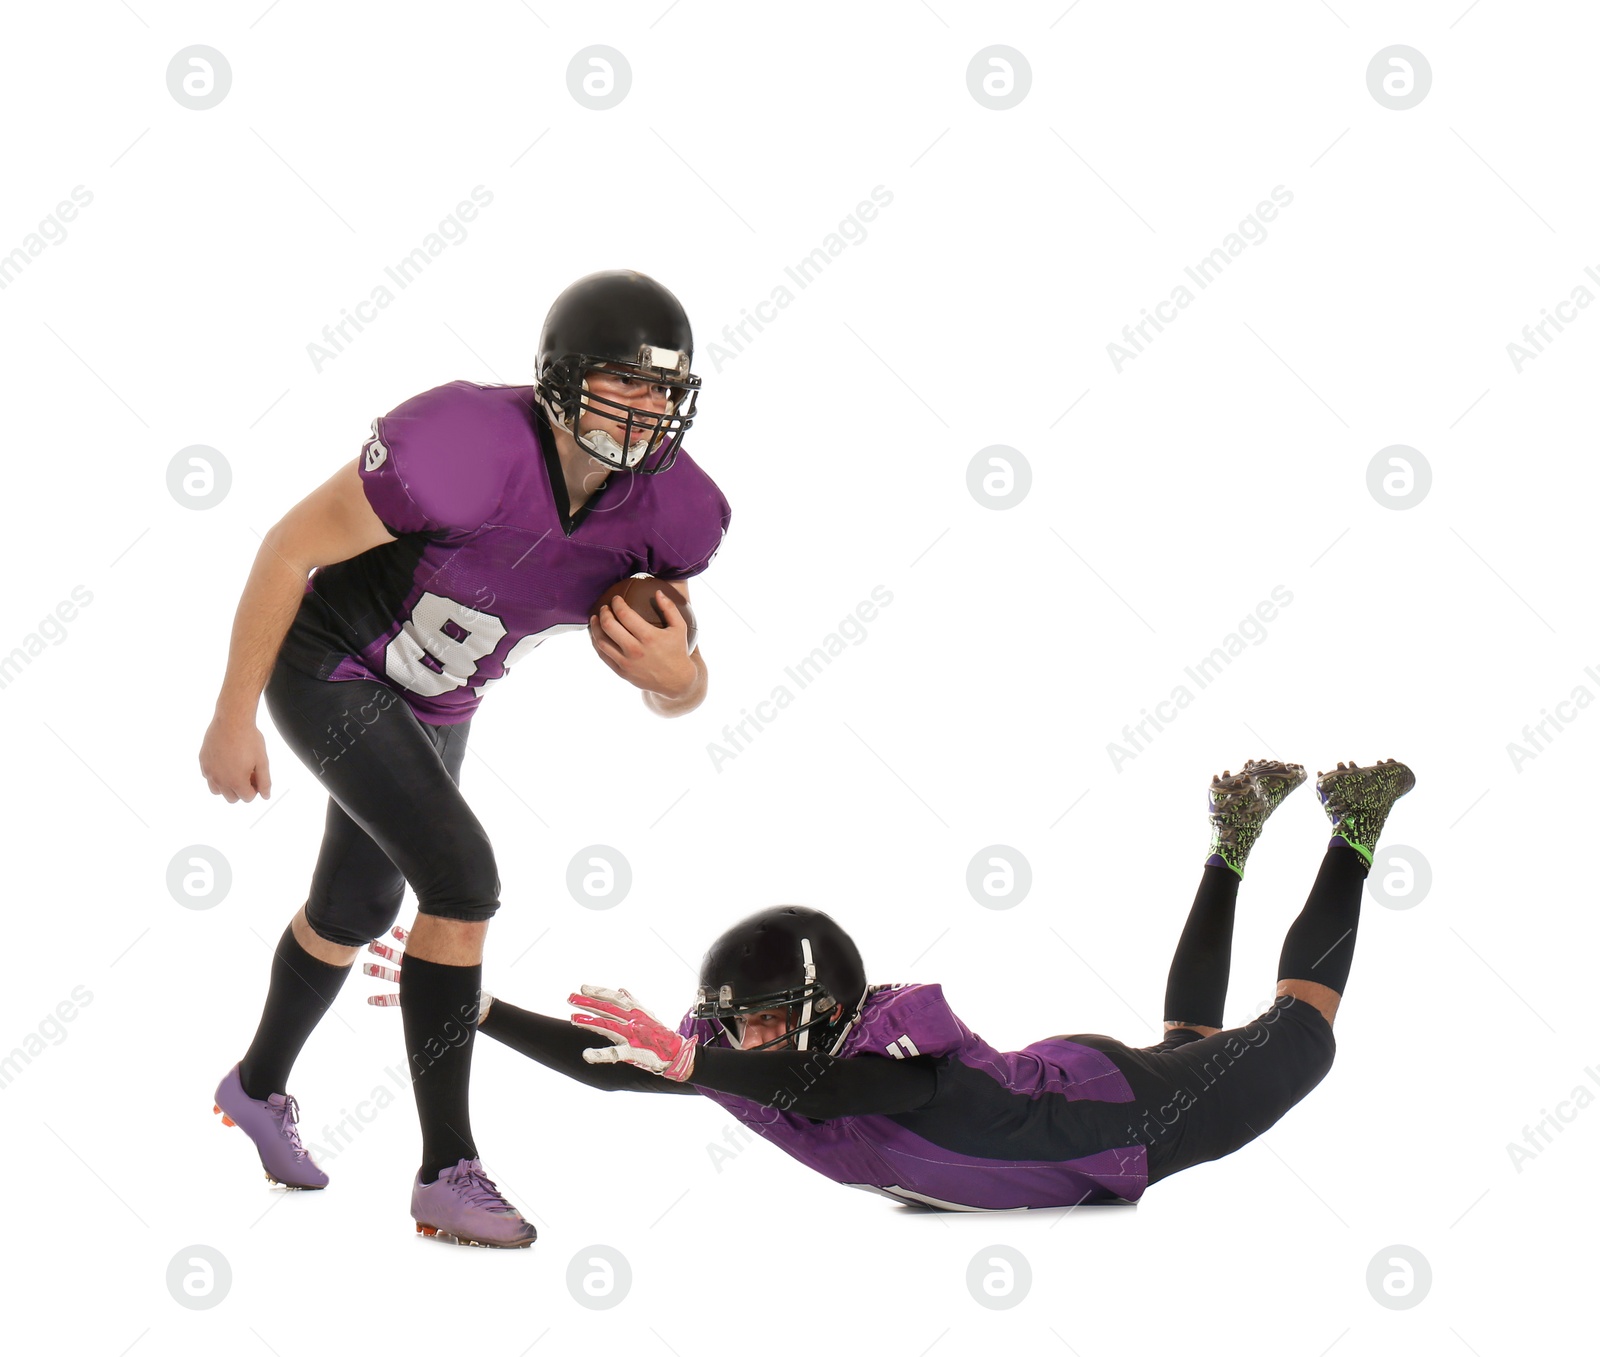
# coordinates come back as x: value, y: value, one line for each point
x: 788, y: 957
x: 622, y: 321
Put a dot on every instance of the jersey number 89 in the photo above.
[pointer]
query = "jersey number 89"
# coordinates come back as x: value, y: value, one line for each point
x: 439, y: 647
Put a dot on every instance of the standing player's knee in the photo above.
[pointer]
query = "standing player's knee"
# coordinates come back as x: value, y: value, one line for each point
x: 353, y: 925
x: 469, y: 888
x: 378, y: 916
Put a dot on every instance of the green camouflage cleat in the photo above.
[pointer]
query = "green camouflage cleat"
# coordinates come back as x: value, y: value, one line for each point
x: 1358, y: 800
x: 1240, y: 803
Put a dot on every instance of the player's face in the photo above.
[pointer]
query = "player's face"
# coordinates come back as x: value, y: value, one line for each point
x: 760, y: 1028
x: 628, y: 390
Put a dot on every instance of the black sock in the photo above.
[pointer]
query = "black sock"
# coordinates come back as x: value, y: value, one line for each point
x: 1197, y: 983
x: 439, y: 1005
x: 298, y: 995
x: 1321, y: 943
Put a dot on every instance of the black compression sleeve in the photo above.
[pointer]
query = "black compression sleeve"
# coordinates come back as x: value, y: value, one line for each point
x: 805, y: 1082
x: 560, y: 1045
x: 814, y: 1084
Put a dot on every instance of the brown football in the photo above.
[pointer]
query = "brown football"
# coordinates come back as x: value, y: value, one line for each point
x: 640, y: 595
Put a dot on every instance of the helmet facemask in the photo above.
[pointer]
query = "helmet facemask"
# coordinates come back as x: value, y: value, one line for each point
x: 810, y: 1012
x: 650, y: 441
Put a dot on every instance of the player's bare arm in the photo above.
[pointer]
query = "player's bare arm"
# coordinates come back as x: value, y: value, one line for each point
x: 333, y: 523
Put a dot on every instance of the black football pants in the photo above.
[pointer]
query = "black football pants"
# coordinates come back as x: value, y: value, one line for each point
x: 395, y: 813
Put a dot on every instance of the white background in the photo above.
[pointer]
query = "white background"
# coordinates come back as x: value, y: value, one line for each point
x: 1228, y: 458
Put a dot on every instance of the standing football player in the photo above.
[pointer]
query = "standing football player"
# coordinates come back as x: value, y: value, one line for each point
x: 883, y: 1087
x: 477, y: 521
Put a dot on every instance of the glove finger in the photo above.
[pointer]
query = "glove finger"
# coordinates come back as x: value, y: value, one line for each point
x: 384, y: 1000
x: 616, y: 1001
x: 615, y: 1031
x: 636, y: 1006
x: 596, y: 1004
x: 603, y: 1055
x: 381, y: 972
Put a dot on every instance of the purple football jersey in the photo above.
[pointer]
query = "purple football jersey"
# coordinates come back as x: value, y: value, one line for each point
x: 1003, y: 1130
x: 486, y: 565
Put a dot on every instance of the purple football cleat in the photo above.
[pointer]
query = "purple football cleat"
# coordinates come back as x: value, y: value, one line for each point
x: 270, y: 1125
x: 464, y: 1202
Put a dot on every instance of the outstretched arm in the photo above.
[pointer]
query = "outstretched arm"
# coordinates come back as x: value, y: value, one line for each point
x: 559, y: 1045
x: 816, y: 1085
x: 550, y: 1041
x: 810, y: 1083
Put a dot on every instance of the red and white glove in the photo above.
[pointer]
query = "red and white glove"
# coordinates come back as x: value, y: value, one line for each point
x: 394, y: 954
x: 638, y: 1036
x: 398, y: 956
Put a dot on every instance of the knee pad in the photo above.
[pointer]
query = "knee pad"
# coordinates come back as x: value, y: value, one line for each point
x: 355, y: 923
x: 477, y: 913
x: 468, y: 886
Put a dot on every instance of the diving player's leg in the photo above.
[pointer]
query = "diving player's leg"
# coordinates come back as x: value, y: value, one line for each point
x: 1197, y: 983
x: 1314, y: 965
x: 1234, y: 1085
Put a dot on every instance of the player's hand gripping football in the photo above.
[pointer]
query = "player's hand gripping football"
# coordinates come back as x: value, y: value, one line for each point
x: 653, y: 658
x: 391, y: 998
x: 638, y: 1036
